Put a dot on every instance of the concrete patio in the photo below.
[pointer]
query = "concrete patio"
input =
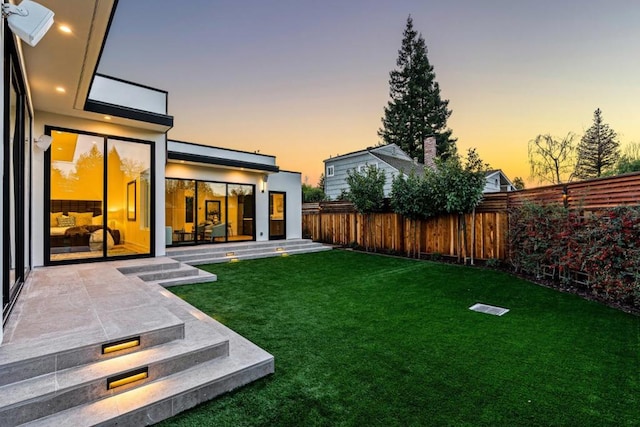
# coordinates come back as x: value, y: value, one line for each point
x: 53, y: 370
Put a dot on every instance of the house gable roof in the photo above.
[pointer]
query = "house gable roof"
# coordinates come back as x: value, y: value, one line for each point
x: 401, y: 165
x: 371, y: 150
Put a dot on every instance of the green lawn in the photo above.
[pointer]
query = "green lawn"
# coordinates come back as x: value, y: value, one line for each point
x: 369, y: 340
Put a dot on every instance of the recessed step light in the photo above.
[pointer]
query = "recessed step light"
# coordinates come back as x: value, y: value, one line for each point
x: 127, y: 378
x: 279, y: 249
x: 230, y: 254
x: 120, y: 345
x: 489, y: 309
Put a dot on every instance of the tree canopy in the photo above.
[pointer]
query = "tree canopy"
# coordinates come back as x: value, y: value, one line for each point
x: 552, y: 159
x: 416, y: 110
x: 598, y: 150
x: 366, y: 189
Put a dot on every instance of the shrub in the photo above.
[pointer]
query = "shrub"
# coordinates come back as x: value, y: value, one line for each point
x: 598, y: 252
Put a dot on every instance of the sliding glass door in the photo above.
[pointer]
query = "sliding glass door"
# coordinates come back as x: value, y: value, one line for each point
x: 208, y: 212
x: 99, y: 197
x: 16, y: 181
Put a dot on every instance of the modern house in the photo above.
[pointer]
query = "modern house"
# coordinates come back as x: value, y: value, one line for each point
x: 389, y: 158
x: 497, y: 181
x: 89, y: 176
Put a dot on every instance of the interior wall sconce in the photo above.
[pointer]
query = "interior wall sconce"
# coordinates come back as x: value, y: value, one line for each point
x: 263, y: 187
x: 29, y: 20
x: 565, y: 196
x: 43, y: 142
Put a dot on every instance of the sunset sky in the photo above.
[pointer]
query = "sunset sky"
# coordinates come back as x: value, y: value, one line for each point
x: 304, y: 80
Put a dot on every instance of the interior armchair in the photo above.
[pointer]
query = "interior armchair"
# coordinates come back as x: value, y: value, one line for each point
x: 209, y: 231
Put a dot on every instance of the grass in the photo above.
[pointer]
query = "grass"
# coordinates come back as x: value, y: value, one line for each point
x: 361, y: 339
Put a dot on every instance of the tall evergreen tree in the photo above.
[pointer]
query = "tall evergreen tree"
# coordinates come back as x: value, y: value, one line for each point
x: 416, y: 110
x: 598, y: 149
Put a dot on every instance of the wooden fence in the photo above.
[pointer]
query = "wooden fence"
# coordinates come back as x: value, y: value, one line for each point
x: 486, y: 235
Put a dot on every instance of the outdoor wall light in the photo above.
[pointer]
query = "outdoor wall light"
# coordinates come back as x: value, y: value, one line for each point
x: 43, y: 142
x: 565, y: 196
x: 30, y: 21
x: 265, y: 178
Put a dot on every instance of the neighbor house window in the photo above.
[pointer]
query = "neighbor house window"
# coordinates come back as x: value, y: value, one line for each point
x: 329, y: 170
x: 362, y: 168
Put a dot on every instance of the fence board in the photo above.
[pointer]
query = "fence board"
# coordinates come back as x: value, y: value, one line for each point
x: 339, y: 223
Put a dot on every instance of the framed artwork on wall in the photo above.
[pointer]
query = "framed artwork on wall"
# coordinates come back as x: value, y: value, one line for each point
x: 131, y: 201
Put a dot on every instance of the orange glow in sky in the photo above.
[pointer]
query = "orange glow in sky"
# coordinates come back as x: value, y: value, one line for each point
x: 308, y: 80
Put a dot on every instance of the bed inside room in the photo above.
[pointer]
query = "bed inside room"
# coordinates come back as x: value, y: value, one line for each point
x: 77, y: 227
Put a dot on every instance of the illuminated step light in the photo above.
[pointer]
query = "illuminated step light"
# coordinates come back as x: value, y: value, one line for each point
x: 279, y: 249
x: 120, y: 345
x: 127, y: 378
x: 230, y: 254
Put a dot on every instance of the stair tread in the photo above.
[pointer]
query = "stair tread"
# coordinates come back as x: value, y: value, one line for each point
x: 172, y: 391
x: 198, y: 335
x: 213, y: 260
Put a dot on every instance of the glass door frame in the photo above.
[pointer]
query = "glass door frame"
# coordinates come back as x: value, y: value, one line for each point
x: 14, y: 157
x: 272, y: 211
x: 105, y: 214
x: 197, y: 240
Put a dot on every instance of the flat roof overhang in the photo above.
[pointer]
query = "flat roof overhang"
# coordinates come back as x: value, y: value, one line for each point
x: 218, y: 161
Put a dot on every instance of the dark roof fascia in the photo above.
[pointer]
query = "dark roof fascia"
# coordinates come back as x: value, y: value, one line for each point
x: 128, y: 113
x: 188, y: 157
x: 220, y: 148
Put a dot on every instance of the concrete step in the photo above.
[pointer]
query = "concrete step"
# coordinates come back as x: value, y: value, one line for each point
x: 219, y: 251
x: 21, y: 362
x: 244, y: 250
x: 246, y: 256
x: 202, y: 277
x: 176, y: 253
x: 48, y: 394
x: 182, y: 271
x: 169, y: 264
x: 170, y: 273
x: 164, y: 398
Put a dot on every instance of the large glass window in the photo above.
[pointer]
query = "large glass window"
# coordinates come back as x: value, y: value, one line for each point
x: 98, y: 205
x: 128, y: 194
x: 208, y: 212
x: 15, y: 180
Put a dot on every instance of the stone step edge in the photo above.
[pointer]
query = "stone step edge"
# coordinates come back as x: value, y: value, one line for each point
x: 87, y: 390
x: 186, y: 256
x: 85, y: 354
x: 145, y: 268
x: 230, y: 247
x: 184, y: 271
x: 210, y: 260
x: 164, y: 398
x: 192, y: 280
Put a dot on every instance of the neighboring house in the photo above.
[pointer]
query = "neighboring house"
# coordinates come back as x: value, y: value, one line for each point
x: 389, y: 158
x: 108, y: 171
x: 497, y: 181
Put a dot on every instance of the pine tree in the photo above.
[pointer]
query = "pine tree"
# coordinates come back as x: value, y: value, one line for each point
x: 598, y: 150
x: 416, y: 109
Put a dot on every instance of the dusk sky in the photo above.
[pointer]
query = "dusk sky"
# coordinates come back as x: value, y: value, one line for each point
x: 306, y: 80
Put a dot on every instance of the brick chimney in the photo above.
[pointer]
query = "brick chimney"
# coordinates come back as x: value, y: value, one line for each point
x: 430, y: 151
